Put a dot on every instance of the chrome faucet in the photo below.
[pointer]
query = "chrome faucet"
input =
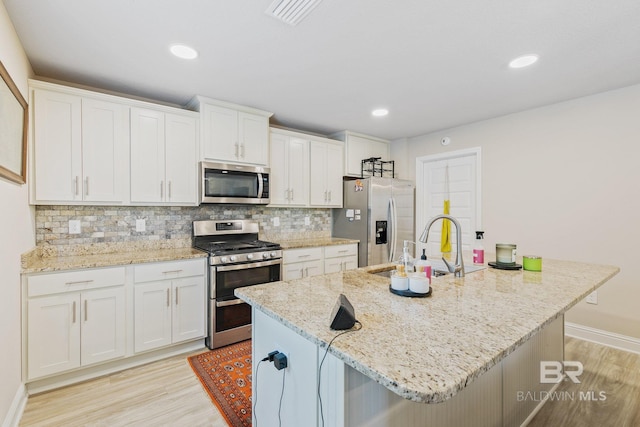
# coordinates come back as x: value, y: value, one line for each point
x: 458, y: 268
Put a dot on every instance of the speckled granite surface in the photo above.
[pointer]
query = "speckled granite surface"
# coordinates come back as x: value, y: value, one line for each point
x: 56, y: 258
x: 313, y: 242
x: 428, y: 349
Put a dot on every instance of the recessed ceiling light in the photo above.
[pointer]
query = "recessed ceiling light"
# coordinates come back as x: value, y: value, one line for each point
x: 523, y: 61
x: 380, y: 112
x: 183, y: 51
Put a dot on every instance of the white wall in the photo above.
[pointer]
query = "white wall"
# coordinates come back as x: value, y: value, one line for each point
x: 16, y: 235
x: 561, y: 182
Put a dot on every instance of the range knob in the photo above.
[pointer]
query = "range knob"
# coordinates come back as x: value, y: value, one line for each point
x: 274, y: 254
x: 249, y: 256
x: 223, y: 259
x: 233, y: 258
x: 265, y: 255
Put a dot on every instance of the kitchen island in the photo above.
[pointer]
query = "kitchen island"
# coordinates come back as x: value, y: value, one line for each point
x: 459, y: 357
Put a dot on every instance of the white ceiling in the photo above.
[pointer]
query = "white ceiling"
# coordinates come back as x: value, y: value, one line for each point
x: 433, y: 64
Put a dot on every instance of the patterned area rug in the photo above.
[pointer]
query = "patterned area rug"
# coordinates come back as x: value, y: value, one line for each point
x: 225, y: 374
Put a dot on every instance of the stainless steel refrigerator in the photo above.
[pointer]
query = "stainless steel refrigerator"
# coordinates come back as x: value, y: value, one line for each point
x: 380, y: 213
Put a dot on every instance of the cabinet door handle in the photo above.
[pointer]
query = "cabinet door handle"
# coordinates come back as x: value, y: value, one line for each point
x: 75, y: 185
x: 78, y: 282
x: 169, y: 189
x: 86, y: 186
x: 286, y: 194
x: 329, y: 195
x: 292, y: 194
x: 176, y: 296
x: 161, y: 189
x: 171, y: 271
x: 86, y: 307
x: 242, y: 151
x: 236, y: 145
x: 74, y: 313
x: 168, y: 297
x: 325, y: 196
x: 302, y: 272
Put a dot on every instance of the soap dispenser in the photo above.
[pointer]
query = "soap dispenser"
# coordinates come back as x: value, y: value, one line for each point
x: 478, y: 249
x: 405, y: 263
x: 423, y: 264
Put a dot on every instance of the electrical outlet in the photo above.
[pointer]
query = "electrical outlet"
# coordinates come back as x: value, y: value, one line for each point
x: 141, y: 225
x: 74, y: 226
x: 276, y: 221
x: 307, y: 220
x: 592, y: 298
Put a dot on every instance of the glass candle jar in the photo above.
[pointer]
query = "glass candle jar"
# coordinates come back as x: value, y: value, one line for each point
x: 505, y: 253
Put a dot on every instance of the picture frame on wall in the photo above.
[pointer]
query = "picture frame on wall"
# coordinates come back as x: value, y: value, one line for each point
x: 13, y: 130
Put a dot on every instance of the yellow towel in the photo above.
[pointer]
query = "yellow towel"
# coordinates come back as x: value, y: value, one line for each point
x: 445, y: 241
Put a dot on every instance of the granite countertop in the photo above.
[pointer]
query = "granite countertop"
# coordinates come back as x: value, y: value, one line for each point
x: 314, y: 242
x: 45, y: 259
x: 428, y: 349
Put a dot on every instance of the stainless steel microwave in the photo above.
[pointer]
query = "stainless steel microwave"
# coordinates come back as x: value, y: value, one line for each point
x: 237, y: 184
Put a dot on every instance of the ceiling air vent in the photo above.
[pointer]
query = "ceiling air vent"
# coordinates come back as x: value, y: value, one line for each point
x: 291, y: 11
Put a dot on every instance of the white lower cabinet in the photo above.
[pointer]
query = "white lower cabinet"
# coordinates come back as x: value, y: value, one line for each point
x: 307, y: 262
x: 73, y: 328
x: 340, y: 258
x: 169, y: 303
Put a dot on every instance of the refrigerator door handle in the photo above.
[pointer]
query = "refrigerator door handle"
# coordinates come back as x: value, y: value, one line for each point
x: 392, y: 224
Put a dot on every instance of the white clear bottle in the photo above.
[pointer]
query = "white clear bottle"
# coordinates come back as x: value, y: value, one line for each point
x: 478, y: 249
x: 406, y: 260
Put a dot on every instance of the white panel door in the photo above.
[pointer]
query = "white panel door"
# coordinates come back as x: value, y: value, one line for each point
x: 220, y: 135
x: 147, y: 156
x: 104, y: 145
x: 253, y: 134
x: 53, y: 334
x: 189, y: 308
x: 152, y: 315
x: 464, y: 195
x: 103, y: 325
x: 57, y: 146
x: 181, y: 166
x: 298, y: 173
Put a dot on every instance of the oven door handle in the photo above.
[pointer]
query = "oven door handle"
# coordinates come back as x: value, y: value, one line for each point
x: 248, y: 265
x: 229, y: 302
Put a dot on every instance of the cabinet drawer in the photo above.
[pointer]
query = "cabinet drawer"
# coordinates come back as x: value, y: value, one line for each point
x: 300, y: 255
x: 340, y: 250
x: 168, y: 270
x: 54, y: 283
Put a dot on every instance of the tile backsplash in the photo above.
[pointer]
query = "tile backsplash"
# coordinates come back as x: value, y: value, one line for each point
x: 111, y: 224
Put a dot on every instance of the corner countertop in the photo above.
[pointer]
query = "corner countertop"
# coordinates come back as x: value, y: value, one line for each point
x: 314, y: 242
x: 50, y: 259
x: 428, y: 349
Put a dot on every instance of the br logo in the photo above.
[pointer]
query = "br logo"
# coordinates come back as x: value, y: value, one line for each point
x: 551, y: 371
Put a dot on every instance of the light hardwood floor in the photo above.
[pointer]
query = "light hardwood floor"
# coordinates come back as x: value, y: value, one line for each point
x: 167, y: 393
x: 164, y: 393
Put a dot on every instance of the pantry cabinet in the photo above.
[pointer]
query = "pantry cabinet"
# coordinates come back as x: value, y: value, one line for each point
x: 326, y: 159
x: 358, y: 147
x: 232, y: 133
x: 163, y: 157
x: 80, y: 149
x: 169, y: 303
x: 74, y: 319
x: 289, y: 174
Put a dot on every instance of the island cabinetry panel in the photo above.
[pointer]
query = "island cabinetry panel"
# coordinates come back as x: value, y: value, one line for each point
x: 326, y: 161
x: 80, y: 147
x: 163, y: 157
x: 340, y: 258
x: 74, y: 319
x: 358, y: 147
x: 169, y: 303
x: 232, y: 133
x: 289, y: 174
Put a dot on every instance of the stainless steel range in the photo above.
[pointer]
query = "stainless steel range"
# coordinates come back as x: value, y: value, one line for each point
x: 236, y: 259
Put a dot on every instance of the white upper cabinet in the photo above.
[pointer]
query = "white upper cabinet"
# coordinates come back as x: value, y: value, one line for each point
x: 80, y: 147
x: 289, y: 176
x: 163, y: 157
x: 358, y: 147
x: 232, y: 133
x: 325, y: 166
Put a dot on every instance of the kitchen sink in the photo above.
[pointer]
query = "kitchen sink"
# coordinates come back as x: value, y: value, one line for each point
x: 439, y: 269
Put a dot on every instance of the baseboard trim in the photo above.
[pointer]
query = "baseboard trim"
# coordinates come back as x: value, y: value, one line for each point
x: 606, y: 338
x: 12, y: 418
